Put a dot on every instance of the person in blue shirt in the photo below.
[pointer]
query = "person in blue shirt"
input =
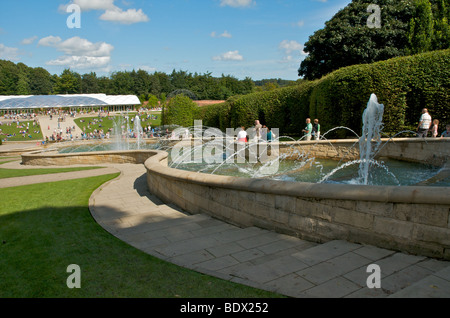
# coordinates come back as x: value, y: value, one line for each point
x: 446, y: 133
x: 270, y: 135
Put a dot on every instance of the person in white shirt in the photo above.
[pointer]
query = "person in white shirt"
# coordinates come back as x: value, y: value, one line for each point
x: 424, y: 124
x: 242, y: 135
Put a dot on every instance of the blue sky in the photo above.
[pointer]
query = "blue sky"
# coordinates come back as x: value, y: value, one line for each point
x: 255, y: 38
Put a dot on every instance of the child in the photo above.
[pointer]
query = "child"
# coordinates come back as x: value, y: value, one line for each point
x: 434, y: 128
x: 316, y: 129
x: 447, y: 132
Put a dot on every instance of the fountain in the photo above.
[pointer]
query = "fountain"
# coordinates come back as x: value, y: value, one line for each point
x: 124, y: 136
x: 294, y: 161
x: 138, y: 132
x: 346, y: 205
x: 372, y: 126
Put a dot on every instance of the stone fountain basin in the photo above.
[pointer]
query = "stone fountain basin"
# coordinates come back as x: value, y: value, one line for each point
x: 412, y: 219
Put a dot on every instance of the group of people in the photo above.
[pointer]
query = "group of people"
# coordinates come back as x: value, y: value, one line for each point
x: 427, y: 124
x: 312, y: 130
x: 243, y: 136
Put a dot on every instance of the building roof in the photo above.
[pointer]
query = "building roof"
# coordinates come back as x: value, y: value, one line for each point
x: 59, y: 101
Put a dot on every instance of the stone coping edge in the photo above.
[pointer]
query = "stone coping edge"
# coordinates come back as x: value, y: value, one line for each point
x: 397, y: 194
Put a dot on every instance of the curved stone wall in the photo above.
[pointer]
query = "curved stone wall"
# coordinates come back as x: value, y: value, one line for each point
x: 412, y: 219
x: 39, y: 158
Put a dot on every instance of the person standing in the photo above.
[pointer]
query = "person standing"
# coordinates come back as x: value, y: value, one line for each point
x: 424, y: 124
x: 434, y: 128
x: 308, y: 129
x: 242, y: 135
x: 316, y: 129
x: 270, y: 135
x: 258, y: 128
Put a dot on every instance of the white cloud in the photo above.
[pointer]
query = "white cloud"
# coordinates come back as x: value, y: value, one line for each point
x: 124, y: 17
x: 29, y: 41
x: 78, y: 46
x: 9, y: 53
x: 79, y: 53
x: 225, y: 34
x: 229, y: 56
x: 81, y: 62
x: 299, y: 23
x: 237, y: 3
x: 88, y: 5
x: 112, y: 12
x: 49, y: 41
x: 290, y: 47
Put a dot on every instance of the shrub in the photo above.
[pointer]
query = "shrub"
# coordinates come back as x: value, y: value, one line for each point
x: 180, y: 110
x: 404, y: 85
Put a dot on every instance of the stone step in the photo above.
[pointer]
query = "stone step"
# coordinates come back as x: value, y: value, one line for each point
x: 436, y: 285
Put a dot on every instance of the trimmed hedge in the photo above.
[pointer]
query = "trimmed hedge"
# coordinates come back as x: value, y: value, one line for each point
x: 180, y: 110
x: 404, y: 85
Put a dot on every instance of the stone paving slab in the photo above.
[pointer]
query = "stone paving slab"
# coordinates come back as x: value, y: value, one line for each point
x: 429, y: 287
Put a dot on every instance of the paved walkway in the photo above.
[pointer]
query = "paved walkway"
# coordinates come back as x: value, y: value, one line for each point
x: 26, y: 180
x: 249, y: 256
x: 55, y: 126
x: 257, y: 257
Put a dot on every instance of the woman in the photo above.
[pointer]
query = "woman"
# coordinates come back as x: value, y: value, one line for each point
x: 242, y: 135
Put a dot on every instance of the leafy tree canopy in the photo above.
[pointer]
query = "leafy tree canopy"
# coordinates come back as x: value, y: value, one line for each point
x: 407, y: 26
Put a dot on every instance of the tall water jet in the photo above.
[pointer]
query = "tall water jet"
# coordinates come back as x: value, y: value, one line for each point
x: 138, y: 132
x: 370, y: 139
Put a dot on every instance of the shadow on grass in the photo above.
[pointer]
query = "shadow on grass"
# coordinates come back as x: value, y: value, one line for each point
x: 37, y: 246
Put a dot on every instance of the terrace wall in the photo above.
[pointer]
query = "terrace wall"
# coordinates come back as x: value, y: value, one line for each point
x: 412, y: 219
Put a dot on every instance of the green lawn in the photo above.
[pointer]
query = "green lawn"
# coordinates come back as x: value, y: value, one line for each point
x: 11, y: 173
x: 108, y: 122
x: 34, y: 133
x: 45, y: 228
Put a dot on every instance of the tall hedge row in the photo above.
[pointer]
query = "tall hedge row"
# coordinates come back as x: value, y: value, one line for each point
x: 404, y: 85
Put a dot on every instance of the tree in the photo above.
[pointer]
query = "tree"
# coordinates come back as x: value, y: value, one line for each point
x: 184, y: 92
x: 22, y: 86
x: 9, y: 76
x: 407, y: 27
x: 421, y: 29
x: 68, y: 82
x: 122, y: 83
x: 40, y: 82
x: 152, y: 101
x: 180, y: 110
x: 180, y: 79
x: 105, y: 85
x: 141, y: 82
x: 347, y: 40
x: 441, y: 36
x: 89, y: 83
x: 162, y: 84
